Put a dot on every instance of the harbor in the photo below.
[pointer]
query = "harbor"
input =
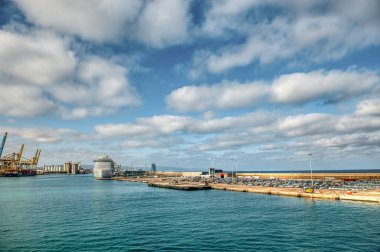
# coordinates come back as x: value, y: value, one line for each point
x: 57, y: 209
x: 344, y: 188
x: 350, y: 186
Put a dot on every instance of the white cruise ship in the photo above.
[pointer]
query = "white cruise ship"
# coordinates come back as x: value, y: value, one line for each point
x: 103, y: 167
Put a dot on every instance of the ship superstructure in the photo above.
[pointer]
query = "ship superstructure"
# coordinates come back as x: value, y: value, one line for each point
x: 103, y: 167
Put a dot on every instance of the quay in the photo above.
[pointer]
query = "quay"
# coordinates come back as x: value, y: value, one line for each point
x: 367, y: 196
x: 180, y: 186
x: 329, y: 194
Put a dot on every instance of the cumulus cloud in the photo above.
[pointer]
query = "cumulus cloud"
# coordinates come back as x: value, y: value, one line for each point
x: 156, y: 23
x: 40, y: 75
x: 102, y: 86
x: 296, y: 88
x: 39, y: 135
x: 169, y: 124
x: 99, y: 20
x: 315, y: 124
x: 299, y: 30
x: 329, y: 86
x: 369, y: 107
x: 163, y: 22
x: 157, y: 143
x: 148, y: 126
x: 226, y: 95
x: 302, y: 134
x: 39, y: 58
x: 21, y: 100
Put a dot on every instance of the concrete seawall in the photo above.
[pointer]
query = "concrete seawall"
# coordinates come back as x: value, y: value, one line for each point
x: 364, y: 196
x: 295, y: 192
x: 181, y: 186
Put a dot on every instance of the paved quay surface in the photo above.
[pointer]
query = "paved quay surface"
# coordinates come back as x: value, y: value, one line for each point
x: 341, y: 194
x: 368, y: 196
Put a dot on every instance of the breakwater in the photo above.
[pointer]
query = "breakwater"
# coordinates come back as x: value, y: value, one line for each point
x: 180, y: 186
x: 295, y: 192
x: 330, y: 194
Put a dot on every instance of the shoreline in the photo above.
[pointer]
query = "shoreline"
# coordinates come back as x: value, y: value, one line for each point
x: 329, y: 194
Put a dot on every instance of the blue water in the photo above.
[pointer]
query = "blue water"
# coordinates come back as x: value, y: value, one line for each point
x: 78, y: 213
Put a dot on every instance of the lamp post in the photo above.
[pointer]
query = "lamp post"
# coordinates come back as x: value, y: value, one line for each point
x: 311, y: 171
x: 234, y: 160
x: 235, y: 168
x: 291, y: 167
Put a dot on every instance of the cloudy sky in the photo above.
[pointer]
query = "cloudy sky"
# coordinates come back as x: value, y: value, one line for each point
x: 186, y: 83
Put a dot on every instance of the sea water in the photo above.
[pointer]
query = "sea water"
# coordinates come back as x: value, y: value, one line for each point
x: 79, y: 213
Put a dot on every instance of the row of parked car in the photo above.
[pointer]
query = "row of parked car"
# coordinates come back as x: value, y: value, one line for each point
x: 297, y: 183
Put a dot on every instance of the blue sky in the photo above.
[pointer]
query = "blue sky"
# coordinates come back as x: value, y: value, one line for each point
x: 181, y: 83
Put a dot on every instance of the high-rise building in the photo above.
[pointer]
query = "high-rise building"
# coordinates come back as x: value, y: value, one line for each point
x: 153, y: 167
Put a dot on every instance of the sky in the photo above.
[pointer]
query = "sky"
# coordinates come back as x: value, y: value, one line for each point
x: 187, y: 84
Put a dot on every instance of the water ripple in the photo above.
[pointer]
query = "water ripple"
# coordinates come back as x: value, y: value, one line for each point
x: 78, y: 213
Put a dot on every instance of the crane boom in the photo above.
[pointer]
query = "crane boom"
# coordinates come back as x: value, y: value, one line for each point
x: 3, y: 143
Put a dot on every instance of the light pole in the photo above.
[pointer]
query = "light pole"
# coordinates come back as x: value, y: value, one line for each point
x: 291, y: 166
x: 311, y: 172
x: 236, y: 169
x: 234, y: 160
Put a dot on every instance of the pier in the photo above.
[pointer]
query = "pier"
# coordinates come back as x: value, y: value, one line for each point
x: 328, y: 194
x: 181, y: 186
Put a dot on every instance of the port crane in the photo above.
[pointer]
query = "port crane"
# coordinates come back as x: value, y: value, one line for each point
x: 3, y: 143
x: 10, y: 163
x: 14, y: 164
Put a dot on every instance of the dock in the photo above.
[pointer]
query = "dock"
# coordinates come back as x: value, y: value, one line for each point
x: 296, y: 192
x: 181, y: 186
x: 329, y: 194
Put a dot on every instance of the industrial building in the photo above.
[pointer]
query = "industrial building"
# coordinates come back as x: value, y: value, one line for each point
x: 72, y: 168
x: 53, y: 169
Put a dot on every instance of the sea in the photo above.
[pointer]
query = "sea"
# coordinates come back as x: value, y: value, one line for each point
x: 79, y: 213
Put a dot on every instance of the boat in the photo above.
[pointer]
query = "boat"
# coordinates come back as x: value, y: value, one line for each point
x: 103, y: 167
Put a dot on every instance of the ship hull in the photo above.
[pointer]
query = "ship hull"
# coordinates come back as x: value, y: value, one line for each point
x: 102, y: 173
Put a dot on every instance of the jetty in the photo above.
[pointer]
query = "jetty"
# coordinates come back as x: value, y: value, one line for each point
x: 181, y: 186
x: 365, y: 195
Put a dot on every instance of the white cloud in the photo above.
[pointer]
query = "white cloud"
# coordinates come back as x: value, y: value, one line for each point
x: 170, y: 124
x: 306, y: 124
x: 163, y: 22
x: 39, y: 58
x: 149, y: 126
x: 329, y: 86
x: 101, y: 88
x: 326, y: 124
x: 245, y: 121
x: 299, y: 30
x: 40, y: 75
x: 23, y: 100
x: 156, y: 143
x: 98, y: 20
x: 369, y: 107
x: 296, y: 88
x: 157, y: 23
x: 40, y: 135
x: 226, y: 95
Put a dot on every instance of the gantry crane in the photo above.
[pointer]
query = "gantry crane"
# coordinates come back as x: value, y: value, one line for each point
x: 3, y: 143
x: 14, y: 164
x: 10, y: 163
